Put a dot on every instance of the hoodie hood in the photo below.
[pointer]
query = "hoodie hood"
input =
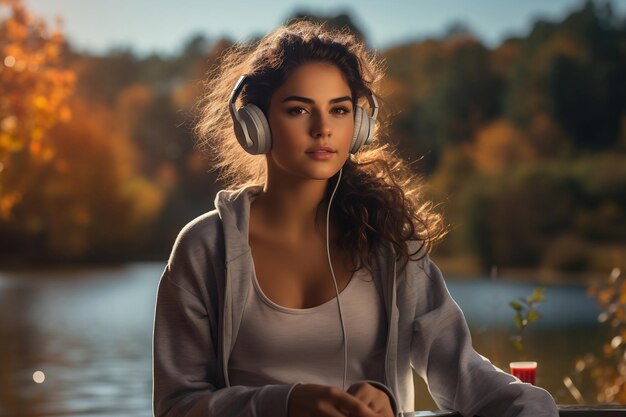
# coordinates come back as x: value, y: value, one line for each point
x: 233, y: 208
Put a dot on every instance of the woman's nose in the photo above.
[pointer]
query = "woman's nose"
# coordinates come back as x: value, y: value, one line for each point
x: 320, y: 126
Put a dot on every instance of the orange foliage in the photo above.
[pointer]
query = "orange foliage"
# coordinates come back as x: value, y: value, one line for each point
x: 90, y: 197
x: 499, y: 146
x: 130, y: 105
x: 566, y: 45
x: 546, y: 136
x: 504, y: 57
x: 421, y: 65
x: 34, y: 90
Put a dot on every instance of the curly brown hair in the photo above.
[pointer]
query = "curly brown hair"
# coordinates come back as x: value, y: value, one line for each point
x: 380, y: 201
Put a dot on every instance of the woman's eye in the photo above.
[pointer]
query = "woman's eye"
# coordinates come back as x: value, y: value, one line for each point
x: 341, y: 110
x: 296, y: 111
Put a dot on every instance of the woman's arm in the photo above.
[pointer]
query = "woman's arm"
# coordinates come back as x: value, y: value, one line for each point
x: 458, y: 377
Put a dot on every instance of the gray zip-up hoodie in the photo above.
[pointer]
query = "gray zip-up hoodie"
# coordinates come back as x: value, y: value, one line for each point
x: 200, y: 304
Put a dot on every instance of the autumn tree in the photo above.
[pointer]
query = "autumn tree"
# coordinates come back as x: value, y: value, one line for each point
x: 69, y: 186
x: 34, y: 89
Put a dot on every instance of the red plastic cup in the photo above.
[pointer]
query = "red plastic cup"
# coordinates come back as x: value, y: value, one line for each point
x: 525, y: 371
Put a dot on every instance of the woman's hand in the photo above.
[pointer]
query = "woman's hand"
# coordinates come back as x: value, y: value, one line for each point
x: 375, y: 399
x: 308, y: 400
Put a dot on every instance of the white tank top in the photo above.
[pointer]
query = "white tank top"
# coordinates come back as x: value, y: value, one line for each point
x: 280, y: 345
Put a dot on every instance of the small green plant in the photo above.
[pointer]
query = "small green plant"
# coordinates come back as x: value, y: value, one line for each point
x: 525, y: 314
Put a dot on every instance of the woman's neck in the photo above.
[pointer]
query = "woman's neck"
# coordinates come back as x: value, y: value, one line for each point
x: 290, y: 206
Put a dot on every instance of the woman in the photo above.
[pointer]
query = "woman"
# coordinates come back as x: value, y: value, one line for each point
x: 309, y: 291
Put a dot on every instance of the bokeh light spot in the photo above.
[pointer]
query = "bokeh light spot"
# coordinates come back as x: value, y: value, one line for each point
x: 39, y: 377
x: 9, y: 61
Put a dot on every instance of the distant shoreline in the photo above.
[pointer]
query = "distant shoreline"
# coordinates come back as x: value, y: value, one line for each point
x: 451, y: 267
x: 463, y: 268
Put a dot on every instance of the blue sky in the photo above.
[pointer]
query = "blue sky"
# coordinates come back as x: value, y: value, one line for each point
x: 163, y: 26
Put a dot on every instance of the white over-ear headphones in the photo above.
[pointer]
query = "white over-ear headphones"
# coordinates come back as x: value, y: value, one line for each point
x: 253, y: 130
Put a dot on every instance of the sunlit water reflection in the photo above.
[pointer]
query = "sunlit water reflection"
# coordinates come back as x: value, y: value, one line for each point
x: 89, y: 332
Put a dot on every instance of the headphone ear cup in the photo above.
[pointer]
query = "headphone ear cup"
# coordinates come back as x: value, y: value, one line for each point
x: 256, y: 126
x: 362, y: 130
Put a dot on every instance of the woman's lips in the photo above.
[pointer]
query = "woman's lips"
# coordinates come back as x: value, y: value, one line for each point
x: 321, y: 154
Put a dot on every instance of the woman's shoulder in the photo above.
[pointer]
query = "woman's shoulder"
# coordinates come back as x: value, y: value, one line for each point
x: 421, y: 270
x: 419, y: 256
x: 197, y: 257
x: 204, y: 233
x: 198, y: 227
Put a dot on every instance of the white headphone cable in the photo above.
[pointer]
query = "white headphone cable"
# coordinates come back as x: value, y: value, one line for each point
x: 330, y: 263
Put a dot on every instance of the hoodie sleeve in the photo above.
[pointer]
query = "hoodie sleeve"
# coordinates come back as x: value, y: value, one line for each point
x: 457, y: 376
x: 187, y: 379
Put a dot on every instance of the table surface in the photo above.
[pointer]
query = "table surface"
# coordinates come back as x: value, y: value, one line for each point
x: 611, y: 410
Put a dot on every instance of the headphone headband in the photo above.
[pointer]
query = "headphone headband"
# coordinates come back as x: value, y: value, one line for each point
x: 237, y: 89
x: 241, y: 133
x: 373, y: 104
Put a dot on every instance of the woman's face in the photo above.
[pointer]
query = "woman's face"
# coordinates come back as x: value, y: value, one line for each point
x: 311, y: 119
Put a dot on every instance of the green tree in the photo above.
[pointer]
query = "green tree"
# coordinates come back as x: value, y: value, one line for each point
x: 574, y: 71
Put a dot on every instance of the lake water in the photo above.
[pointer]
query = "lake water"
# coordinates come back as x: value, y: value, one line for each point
x: 88, y: 332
